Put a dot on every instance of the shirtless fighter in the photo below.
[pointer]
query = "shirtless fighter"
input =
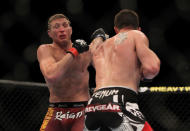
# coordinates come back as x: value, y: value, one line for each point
x: 120, y: 63
x: 64, y: 67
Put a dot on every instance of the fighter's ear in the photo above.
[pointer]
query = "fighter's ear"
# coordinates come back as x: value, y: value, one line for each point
x: 116, y: 29
x: 71, y: 30
x: 49, y: 33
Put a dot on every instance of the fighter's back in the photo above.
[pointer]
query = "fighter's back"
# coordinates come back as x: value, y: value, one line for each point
x: 116, y: 61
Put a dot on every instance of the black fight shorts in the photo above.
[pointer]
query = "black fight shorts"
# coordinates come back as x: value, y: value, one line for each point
x: 114, y: 109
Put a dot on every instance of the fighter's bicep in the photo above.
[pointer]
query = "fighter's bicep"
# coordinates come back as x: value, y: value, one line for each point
x: 45, y: 58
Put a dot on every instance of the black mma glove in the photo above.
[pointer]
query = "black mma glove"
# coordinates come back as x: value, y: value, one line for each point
x: 99, y: 33
x: 79, y: 46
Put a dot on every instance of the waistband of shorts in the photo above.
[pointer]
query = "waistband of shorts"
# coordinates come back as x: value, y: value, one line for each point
x: 120, y: 94
x: 117, y: 87
x: 68, y: 104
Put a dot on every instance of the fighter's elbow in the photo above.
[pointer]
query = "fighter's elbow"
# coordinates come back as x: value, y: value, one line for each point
x: 152, y: 70
x: 50, y: 78
x: 157, y: 67
x: 51, y: 75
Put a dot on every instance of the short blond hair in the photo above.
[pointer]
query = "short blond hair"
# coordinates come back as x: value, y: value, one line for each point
x: 57, y: 16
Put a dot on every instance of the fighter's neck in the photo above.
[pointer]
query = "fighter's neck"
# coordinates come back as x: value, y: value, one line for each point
x: 125, y: 30
x: 63, y: 46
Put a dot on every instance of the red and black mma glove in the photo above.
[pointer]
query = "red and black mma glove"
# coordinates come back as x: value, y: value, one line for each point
x: 79, y: 46
x: 99, y: 33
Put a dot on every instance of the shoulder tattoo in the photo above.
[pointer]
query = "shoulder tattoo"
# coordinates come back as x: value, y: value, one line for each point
x: 120, y: 38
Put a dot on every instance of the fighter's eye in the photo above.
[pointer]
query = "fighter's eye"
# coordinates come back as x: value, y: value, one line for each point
x: 56, y: 26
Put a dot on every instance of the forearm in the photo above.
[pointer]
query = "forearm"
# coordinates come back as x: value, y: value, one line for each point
x: 95, y: 43
x: 97, y: 37
x: 56, y: 71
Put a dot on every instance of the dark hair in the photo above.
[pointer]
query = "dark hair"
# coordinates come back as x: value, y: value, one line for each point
x: 126, y: 18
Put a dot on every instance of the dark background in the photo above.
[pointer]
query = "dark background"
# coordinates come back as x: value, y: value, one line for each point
x: 23, y: 25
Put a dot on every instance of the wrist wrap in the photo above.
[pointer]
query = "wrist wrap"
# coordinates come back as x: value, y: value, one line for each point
x: 73, y: 51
